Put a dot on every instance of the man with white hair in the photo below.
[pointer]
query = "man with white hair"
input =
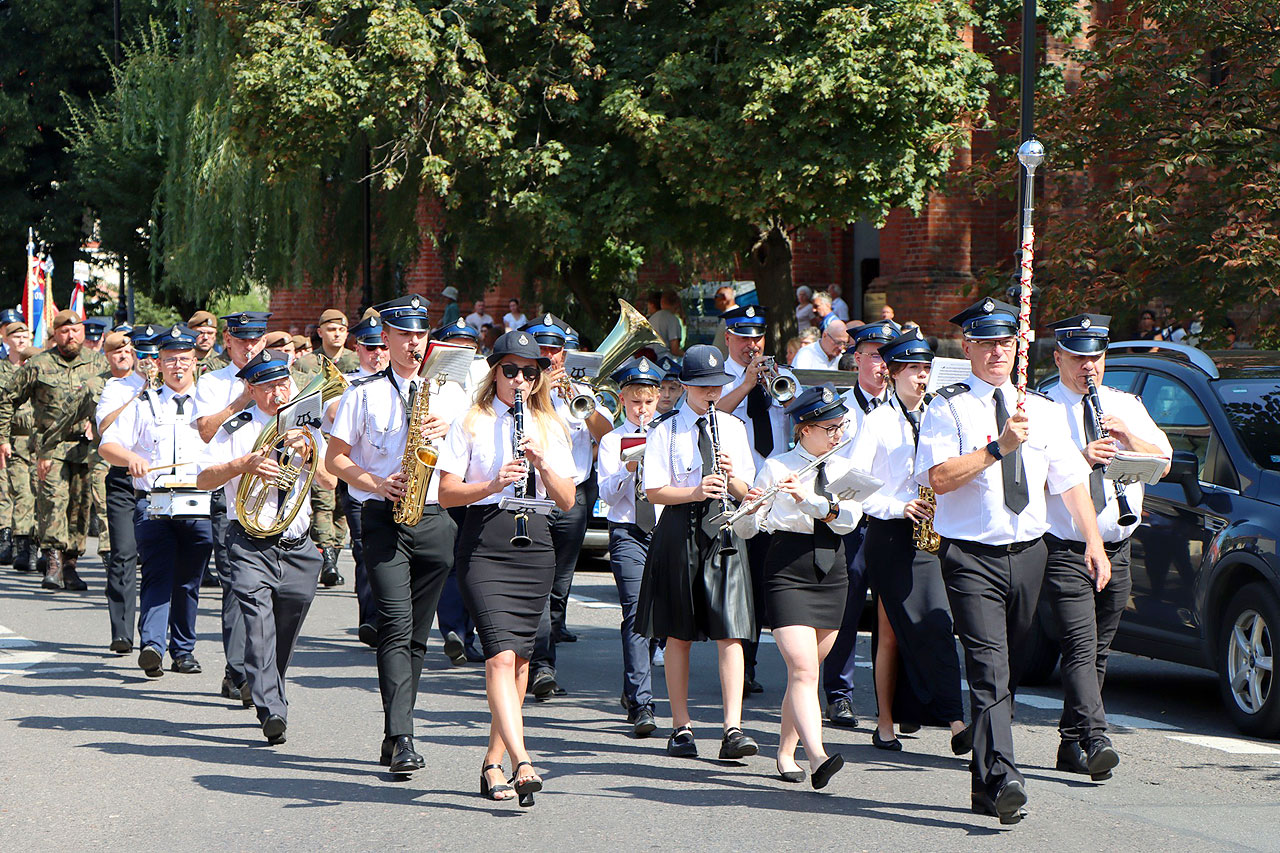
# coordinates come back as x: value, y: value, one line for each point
x: 825, y: 352
x: 838, y: 306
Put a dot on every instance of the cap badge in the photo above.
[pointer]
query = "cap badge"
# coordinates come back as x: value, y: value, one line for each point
x: 919, y: 335
x: 988, y: 306
x: 827, y: 395
x: 644, y: 365
x: 711, y: 360
x: 415, y: 303
x: 751, y: 311
x: 175, y: 333
x: 523, y: 340
x: 242, y: 319
x: 547, y: 320
x: 1086, y: 323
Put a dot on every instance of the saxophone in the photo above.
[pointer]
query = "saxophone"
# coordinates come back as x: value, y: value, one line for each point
x: 924, y: 537
x: 419, y: 460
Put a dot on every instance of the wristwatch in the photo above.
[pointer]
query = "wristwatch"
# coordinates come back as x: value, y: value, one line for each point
x: 833, y: 512
x: 993, y: 448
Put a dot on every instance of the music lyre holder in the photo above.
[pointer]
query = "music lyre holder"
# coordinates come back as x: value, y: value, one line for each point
x: 537, y: 506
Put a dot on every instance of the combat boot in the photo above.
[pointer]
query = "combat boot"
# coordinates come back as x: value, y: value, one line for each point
x: 22, y: 553
x: 70, y: 577
x: 6, y: 546
x: 329, y: 574
x: 53, y: 569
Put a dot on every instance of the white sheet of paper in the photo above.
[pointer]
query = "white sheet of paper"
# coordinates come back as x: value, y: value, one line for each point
x: 1136, y: 467
x: 855, y: 485
x: 947, y: 371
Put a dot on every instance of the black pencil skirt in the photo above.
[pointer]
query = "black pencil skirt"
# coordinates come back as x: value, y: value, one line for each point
x: 505, y: 588
x: 691, y: 591
x: 795, y: 593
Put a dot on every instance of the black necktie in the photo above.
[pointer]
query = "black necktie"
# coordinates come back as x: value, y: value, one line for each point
x: 1096, y: 490
x: 1015, y: 488
x: 181, y: 400
x: 825, y: 541
x: 711, y: 517
x: 758, y: 412
x: 646, y: 515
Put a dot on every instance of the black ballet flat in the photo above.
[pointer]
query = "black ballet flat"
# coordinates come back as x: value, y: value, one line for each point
x: 488, y: 791
x: 792, y: 776
x: 891, y: 745
x: 526, y: 788
x: 826, y: 770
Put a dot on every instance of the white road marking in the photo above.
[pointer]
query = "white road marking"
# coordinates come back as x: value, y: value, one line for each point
x: 1235, y: 746
x: 15, y: 654
x: 1129, y: 721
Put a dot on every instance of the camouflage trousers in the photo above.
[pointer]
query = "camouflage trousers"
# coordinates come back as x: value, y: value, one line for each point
x: 99, y: 492
x: 19, y: 479
x: 6, y: 500
x: 63, y: 501
x: 328, y: 521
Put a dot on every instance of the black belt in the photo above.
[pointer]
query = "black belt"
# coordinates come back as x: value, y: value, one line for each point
x: 1078, y: 547
x: 992, y: 550
x: 282, y: 542
x: 388, y: 506
x: 629, y: 526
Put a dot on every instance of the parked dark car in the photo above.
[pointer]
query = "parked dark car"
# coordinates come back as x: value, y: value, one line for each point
x: 1206, y: 568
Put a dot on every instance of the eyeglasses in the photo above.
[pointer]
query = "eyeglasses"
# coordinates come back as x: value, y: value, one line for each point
x: 831, y: 431
x: 171, y: 360
x: 530, y: 372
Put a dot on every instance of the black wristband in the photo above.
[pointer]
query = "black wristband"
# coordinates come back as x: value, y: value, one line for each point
x: 993, y: 448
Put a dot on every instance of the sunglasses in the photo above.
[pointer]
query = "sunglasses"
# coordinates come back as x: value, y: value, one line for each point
x: 530, y: 372
x: 374, y: 346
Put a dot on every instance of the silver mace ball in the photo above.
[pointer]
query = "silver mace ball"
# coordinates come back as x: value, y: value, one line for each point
x: 1031, y: 154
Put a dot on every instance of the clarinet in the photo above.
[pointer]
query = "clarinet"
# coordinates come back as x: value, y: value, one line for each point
x: 726, y: 538
x: 1126, y: 514
x: 521, y: 539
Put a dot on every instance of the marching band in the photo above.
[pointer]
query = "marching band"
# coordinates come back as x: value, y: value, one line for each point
x: 736, y: 498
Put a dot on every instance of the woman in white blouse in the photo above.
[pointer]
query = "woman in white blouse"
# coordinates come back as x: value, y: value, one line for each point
x: 917, y: 670
x: 505, y: 587
x: 804, y: 573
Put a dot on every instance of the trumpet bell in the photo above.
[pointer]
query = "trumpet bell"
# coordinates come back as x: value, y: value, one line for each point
x: 782, y: 388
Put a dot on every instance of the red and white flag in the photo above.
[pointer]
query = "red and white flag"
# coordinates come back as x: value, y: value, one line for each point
x: 77, y: 298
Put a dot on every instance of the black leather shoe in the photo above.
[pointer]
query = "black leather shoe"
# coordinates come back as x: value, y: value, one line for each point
x: 187, y: 665
x: 681, y: 744
x: 454, y: 650
x: 826, y: 770
x: 368, y: 635
x: 151, y: 661
x: 230, y: 690
x: 564, y: 635
x: 962, y: 742
x: 543, y: 684
x: 892, y: 744
x: 735, y: 744
x: 274, y: 727
x: 908, y: 728
x: 749, y: 686
x: 329, y: 575
x: 1101, y: 758
x: 1007, y: 805
x: 1071, y: 758
x: 643, y: 723
x: 404, y: 758
x: 121, y: 646
x: 840, y: 713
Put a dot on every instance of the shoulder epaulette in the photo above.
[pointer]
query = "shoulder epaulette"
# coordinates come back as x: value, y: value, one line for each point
x: 236, y: 421
x: 952, y: 390
x: 660, y: 418
x: 371, y: 377
x: 1040, y: 394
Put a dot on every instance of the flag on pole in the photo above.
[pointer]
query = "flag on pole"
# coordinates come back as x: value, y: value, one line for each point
x: 33, y: 293
x: 77, y: 298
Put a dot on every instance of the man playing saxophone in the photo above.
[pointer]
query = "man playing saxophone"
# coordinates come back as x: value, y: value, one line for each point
x: 407, y: 565
x: 273, y: 577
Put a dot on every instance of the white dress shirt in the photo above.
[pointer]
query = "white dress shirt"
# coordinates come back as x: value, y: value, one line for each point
x: 617, y: 484
x: 219, y: 388
x: 373, y: 419
x: 227, y: 446
x: 117, y: 392
x: 885, y: 448
x: 811, y: 357
x: 478, y: 454
x: 151, y: 427
x: 965, y: 422
x: 1129, y: 409
x: 671, y: 456
x: 840, y: 308
x: 779, y: 420
x: 782, y: 513
x: 853, y: 420
x: 581, y: 442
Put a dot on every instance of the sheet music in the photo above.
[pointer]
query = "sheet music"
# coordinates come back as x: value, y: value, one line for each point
x: 855, y: 485
x: 582, y: 366
x: 451, y: 361
x: 537, y: 506
x: 1136, y: 467
x: 947, y: 371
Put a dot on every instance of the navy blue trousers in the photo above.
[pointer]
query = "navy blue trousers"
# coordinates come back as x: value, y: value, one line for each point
x: 173, y: 551
x: 628, y: 546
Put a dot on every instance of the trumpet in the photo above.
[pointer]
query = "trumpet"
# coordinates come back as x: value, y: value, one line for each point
x: 726, y: 538
x: 1124, y: 513
x: 521, y: 538
x: 923, y: 536
x: 777, y: 384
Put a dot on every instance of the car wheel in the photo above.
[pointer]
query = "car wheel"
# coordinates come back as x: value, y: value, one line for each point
x: 1039, y: 655
x: 1245, y: 662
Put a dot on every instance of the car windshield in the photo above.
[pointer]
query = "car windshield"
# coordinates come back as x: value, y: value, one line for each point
x: 1253, y: 405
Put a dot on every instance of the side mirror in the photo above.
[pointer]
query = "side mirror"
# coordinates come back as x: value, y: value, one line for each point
x: 1184, y: 469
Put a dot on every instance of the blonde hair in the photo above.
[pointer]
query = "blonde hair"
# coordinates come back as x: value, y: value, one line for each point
x: 641, y: 392
x: 541, y: 420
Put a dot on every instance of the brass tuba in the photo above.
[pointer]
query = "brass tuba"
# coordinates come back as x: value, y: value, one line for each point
x: 630, y: 333
x: 297, y: 468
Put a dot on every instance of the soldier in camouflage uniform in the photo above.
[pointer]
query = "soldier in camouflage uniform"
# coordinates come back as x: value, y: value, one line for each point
x: 62, y: 384
x: 15, y: 487
x: 328, y: 521
x: 205, y: 326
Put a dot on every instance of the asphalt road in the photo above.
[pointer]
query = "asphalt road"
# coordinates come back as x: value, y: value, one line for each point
x: 93, y: 755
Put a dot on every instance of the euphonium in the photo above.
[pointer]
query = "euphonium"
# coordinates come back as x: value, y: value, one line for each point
x: 252, y: 495
x: 419, y: 461
x: 924, y: 537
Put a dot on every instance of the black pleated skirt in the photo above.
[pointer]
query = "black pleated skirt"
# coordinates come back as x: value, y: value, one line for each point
x: 504, y: 588
x: 690, y: 590
x: 909, y: 584
x: 795, y: 592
